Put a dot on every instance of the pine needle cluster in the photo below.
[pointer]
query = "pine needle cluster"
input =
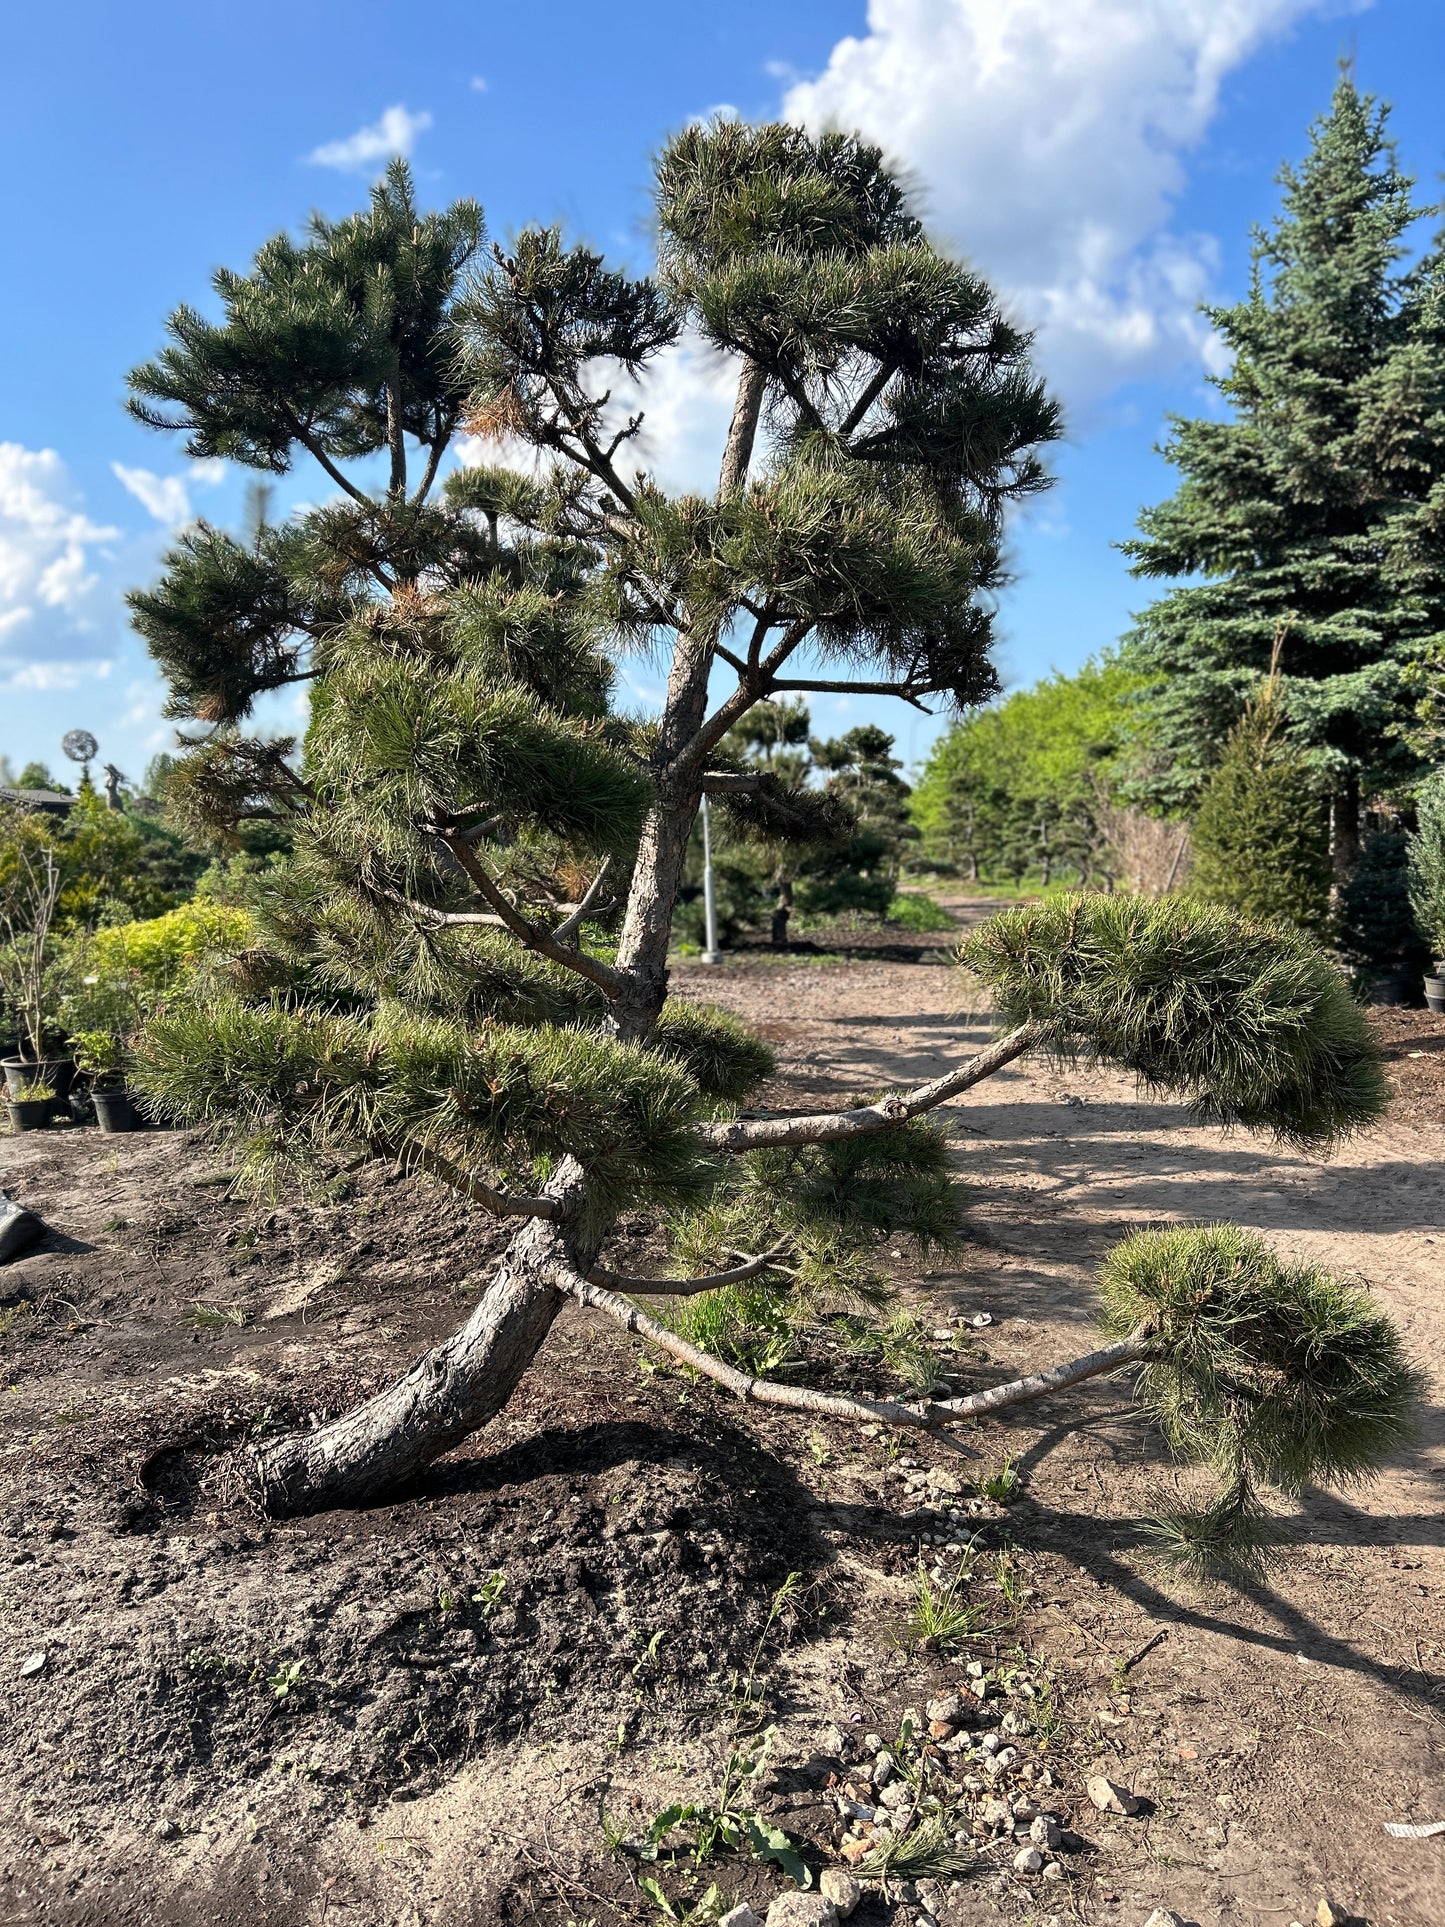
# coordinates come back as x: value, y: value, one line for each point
x: 1273, y: 1375
x: 1247, y: 1022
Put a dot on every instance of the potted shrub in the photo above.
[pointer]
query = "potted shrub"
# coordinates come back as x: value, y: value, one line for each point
x: 31, y: 1103
x: 103, y: 1056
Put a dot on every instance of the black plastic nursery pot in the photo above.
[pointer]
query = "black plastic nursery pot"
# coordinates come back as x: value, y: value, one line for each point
x: 30, y: 1113
x: 57, y: 1072
x: 116, y: 1111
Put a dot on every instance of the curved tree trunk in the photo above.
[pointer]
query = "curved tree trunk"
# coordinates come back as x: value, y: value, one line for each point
x: 448, y: 1393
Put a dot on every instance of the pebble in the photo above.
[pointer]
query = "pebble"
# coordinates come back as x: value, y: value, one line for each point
x: 1163, y: 1917
x: 1054, y: 1870
x: 841, y: 1888
x: 882, y: 1769
x: 1045, y: 1834
x: 802, y: 1910
x: 940, y: 1479
x: 1028, y: 1861
x: 898, y: 1794
x: 33, y: 1663
x: 1109, y: 1797
x: 741, y: 1916
x: 166, y: 1829
x: 1330, y: 1914
x: 949, y: 1709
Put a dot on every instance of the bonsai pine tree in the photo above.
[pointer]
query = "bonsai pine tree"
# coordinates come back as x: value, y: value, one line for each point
x: 466, y: 959
x: 1313, y: 510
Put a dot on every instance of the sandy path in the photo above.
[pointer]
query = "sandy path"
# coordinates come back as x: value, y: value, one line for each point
x: 1276, y: 1732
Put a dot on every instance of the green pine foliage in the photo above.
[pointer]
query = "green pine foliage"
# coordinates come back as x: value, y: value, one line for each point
x: 1273, y: 1375
x: 1260, y: 842
x: 1247, y: 1022
x: 1375, y: 925
x: 1305, y: 519
x: 1425, y: 858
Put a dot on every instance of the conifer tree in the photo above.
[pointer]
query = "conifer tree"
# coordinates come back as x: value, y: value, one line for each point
x: 468, y: 948
x: 1313, y: 511
x: 1260, y: 843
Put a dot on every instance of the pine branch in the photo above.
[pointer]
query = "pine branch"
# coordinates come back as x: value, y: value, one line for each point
x: 688, y: 1287
x: 825, y: 1127
x: 502, y: 1204
x: 796, y: 1398
x: 566, y: 932
x: 908, y: 692
x: 439, y: 446
x: 742, y: 432
x: 1138, y: 1345
x: 612, y: 983
x: 866, y: 400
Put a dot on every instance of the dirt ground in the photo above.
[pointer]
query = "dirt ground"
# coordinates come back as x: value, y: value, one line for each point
x: 442, y: 1711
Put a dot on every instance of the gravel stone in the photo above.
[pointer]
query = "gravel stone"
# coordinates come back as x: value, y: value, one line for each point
x: 802, y: 1910
x: 841, y: 1888
x: 1030, y: 1860
x: 1109, y: 1797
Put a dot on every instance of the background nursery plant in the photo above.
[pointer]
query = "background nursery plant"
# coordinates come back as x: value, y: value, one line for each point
x: 463, y: 967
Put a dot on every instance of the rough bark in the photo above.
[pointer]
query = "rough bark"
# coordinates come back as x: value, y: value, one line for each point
x: 448, y: 1393
x: 1344, y: 830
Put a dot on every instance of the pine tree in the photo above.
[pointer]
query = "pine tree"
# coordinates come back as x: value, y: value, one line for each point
x: 1313, y: 512
x: 471, y: 822
x: 1426, y: 860
x: 1260, y: 842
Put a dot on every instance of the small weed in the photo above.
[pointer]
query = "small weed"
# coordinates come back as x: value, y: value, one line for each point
x: 819, y: 1448
x: 941, y: 1617
x: 71, y: 1413
x: 213, y: 1318
x: 116, y: 1224
x: 1002, y: 1486
x: 649, y: 1656
x: 285, y: 1677
x: 201, y: 1661
x: 492, y: 1588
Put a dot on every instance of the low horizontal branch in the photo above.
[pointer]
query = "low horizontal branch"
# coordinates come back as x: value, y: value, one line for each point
x: 824, y: 1127
x: 905, y: 691
x: 760, y: 1391
x: 1128, y: 1351
x: 502, y: 1204
x: 688, y: 1287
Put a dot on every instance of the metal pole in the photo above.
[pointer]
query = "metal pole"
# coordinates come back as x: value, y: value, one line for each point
x: 711, y: 954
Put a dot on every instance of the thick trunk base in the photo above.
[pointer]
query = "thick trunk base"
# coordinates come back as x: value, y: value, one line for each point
x: 447, y: 1394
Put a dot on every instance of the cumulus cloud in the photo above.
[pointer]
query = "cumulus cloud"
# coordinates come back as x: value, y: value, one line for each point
x: 166, y: 497
x: 1050, y: 139
x: 370, y: 148
x: 46, y: 543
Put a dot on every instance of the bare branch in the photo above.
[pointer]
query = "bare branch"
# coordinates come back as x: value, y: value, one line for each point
x: 439, y: 447
x: 823, y: 1127
x: 688, y: 1287
x: 752, y: 384
x: 612, y: 983
x: 866, y: 400
x: 502, y: 1204
x: 1139, y: 1344
x: 566, y: 932
x: 796, y: 1398
x: 906, y: 691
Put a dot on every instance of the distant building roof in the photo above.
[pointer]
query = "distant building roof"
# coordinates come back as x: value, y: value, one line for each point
x: 56, y: 801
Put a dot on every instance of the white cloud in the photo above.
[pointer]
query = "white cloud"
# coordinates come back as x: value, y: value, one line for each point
x: 58, y: 675
x: 1049, y: 138
x: 478, y: 84
x: 165, y: 497
x: 46, y: 540
x: 372, y: 147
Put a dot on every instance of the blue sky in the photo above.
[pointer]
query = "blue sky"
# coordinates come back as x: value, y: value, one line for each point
x: 1102, y: 160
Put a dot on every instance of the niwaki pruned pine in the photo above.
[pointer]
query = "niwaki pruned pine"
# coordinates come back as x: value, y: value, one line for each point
x: 462, y: 967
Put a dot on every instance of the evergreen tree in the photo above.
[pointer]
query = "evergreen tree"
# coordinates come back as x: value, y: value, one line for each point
x: 1426, y: 865
x: 466, y: 807
x: 1313, y: 512
x: 1260, y: 842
